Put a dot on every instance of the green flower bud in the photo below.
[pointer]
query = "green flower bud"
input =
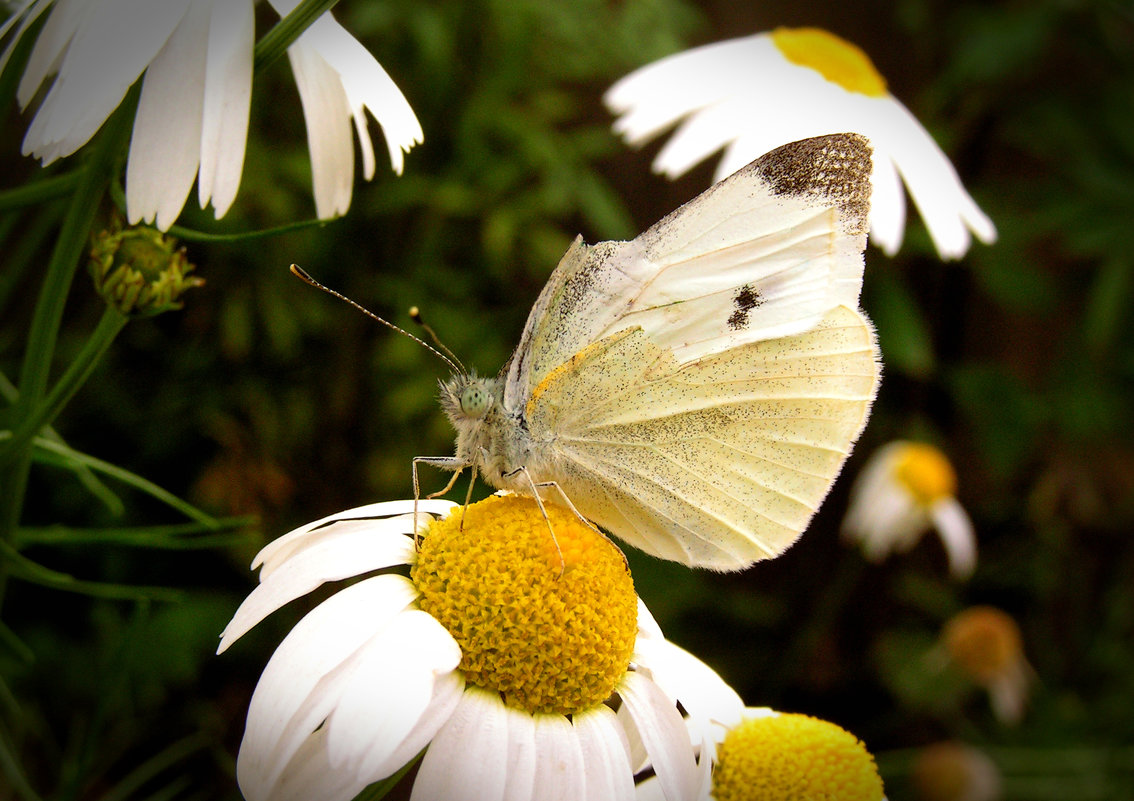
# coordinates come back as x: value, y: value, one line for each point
x: 139, y: 270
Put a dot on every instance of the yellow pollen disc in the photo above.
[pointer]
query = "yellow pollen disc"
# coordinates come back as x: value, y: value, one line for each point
x: 984, y: 643
x: 794, y: 758
x: 834, y: 58
x: 549, y: 634
x: 925, y: 472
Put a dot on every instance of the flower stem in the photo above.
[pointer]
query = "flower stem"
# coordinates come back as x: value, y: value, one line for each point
x: 39, y: 191
x: 103, y: 161
x: 276, y: 41
x: 68, y: 384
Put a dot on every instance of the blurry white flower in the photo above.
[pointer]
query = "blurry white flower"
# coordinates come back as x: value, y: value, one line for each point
x: 753, y: 94
x: 524, y: 665
x: 984, y: 643
x: 905, y: 489
x: 192, y: 117
x: 953, y: 771
x: 775, y: 756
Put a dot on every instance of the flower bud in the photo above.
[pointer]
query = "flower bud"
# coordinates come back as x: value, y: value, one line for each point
x: 139, y: 270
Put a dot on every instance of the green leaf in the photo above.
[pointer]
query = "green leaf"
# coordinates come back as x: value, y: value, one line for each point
x: 21, y: 567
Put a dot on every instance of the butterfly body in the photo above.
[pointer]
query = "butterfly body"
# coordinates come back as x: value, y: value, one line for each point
x: 694, y: 391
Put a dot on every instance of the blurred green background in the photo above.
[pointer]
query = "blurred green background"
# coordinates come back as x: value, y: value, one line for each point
x: 265, y: 398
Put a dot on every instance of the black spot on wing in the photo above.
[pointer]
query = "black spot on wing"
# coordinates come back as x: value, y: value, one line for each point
x: 835, y: 168
x: 745, y: 300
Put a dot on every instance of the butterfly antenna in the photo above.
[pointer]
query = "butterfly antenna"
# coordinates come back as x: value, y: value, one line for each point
x: 415, y: 315
x: 302, y: 274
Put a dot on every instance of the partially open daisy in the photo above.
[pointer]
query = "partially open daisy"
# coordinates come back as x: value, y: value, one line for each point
x: 753, y: 94
x: 193, y: 112
x: 905, y: 489
x: 984, y: 643
x: 524, y: 665
x: 766, y: 755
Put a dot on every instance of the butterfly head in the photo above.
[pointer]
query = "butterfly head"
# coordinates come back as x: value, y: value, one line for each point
x: 469, y: 397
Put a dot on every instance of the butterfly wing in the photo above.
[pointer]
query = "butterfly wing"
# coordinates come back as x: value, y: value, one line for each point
x: 765, y: 253
x: 717, y: 462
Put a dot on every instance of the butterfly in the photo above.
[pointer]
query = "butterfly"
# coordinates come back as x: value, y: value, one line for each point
x: 696, y: 390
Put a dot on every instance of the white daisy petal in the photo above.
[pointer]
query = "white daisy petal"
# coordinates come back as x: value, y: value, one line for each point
x: 957, y: 535
x: 663, y: 733
x: 606, y: 755
x: 326, y: 110
x: 321, y: 642
x: 559, y: 760
x: 51, y: 44
x: 227, y: 101
x: 447, y: 691
x: 703, y: 694
x: 308, y: 775
x: 25, y: 15
x: 165, y: 147
x: 394, y: 515
x: 98, y: 68
x: 521, y: 755
x: 466, y: 760
x: 368, y: 86
x: 746, y: 96
x: 397, y: 691
x: 339, y: 551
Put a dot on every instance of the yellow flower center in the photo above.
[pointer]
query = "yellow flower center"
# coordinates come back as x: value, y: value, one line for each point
x: 984, y: 643
x: 550, y: 630
x: 925, y: 472
x: 834, y: 58
x: 792, y: 757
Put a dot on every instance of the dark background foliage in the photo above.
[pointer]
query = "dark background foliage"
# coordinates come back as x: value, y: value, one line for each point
x: 265, y: 398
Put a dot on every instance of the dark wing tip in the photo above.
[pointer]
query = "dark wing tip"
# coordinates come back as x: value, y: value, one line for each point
x: 836, y: 168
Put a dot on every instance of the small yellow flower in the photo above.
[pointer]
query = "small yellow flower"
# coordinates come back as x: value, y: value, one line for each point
x: 524, y: 665
x: 753, y: 94
x: 764, y: 755
x: 985, y: 644
x: 905, y: 489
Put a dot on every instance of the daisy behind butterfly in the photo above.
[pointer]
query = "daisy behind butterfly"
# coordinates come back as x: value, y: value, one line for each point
x: 694, y: 391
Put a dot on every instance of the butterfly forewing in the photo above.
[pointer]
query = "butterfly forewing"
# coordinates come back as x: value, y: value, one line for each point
x: 762, y: 254
x: 718, y: 462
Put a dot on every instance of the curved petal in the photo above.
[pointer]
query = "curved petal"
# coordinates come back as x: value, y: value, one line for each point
x: 559, y: 760
x: 606, y: 755
x: 664, y: 735
x: 467, y: 759
x: 100, y: 64
x: 165, y: 147
x: 367, y: 85
x: 387, y: 691
x: 685, y: 678
x: 286, y: 705
x: 393, y: 514
x: 887, y: 206
x: 521, y: 757
x: 308, y: 775
x: 447, y: 691
x: 227, y: 100
x: 957, y: 535
x: 344, y: 549
x: 326, y: 110
x: 25, y: 15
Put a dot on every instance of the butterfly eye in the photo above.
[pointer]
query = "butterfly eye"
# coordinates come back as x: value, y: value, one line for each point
x: 475, y: 401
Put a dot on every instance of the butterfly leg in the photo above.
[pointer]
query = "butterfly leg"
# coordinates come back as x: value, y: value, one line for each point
x: 539, y: 502
x: 445, y: 463
x: 578, y: 514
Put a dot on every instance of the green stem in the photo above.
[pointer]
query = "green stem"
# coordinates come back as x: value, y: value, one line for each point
x: 103, y: 161
x: 68, y: 384
x: 276, y: 41
x: 39, y: 191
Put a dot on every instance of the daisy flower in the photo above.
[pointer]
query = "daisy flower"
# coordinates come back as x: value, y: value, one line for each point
x: 195, y: 60
x: 521, y: 663
x: 753, y: 94
x: 984, y: 643
x: 764, y: 755
x: 953, y: 771
x: 905, y: 489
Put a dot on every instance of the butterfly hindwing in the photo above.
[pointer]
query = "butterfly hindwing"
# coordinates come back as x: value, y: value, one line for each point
x: 717, y: 462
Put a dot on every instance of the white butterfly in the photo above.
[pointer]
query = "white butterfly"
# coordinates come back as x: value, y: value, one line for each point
x: 694, y: 391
